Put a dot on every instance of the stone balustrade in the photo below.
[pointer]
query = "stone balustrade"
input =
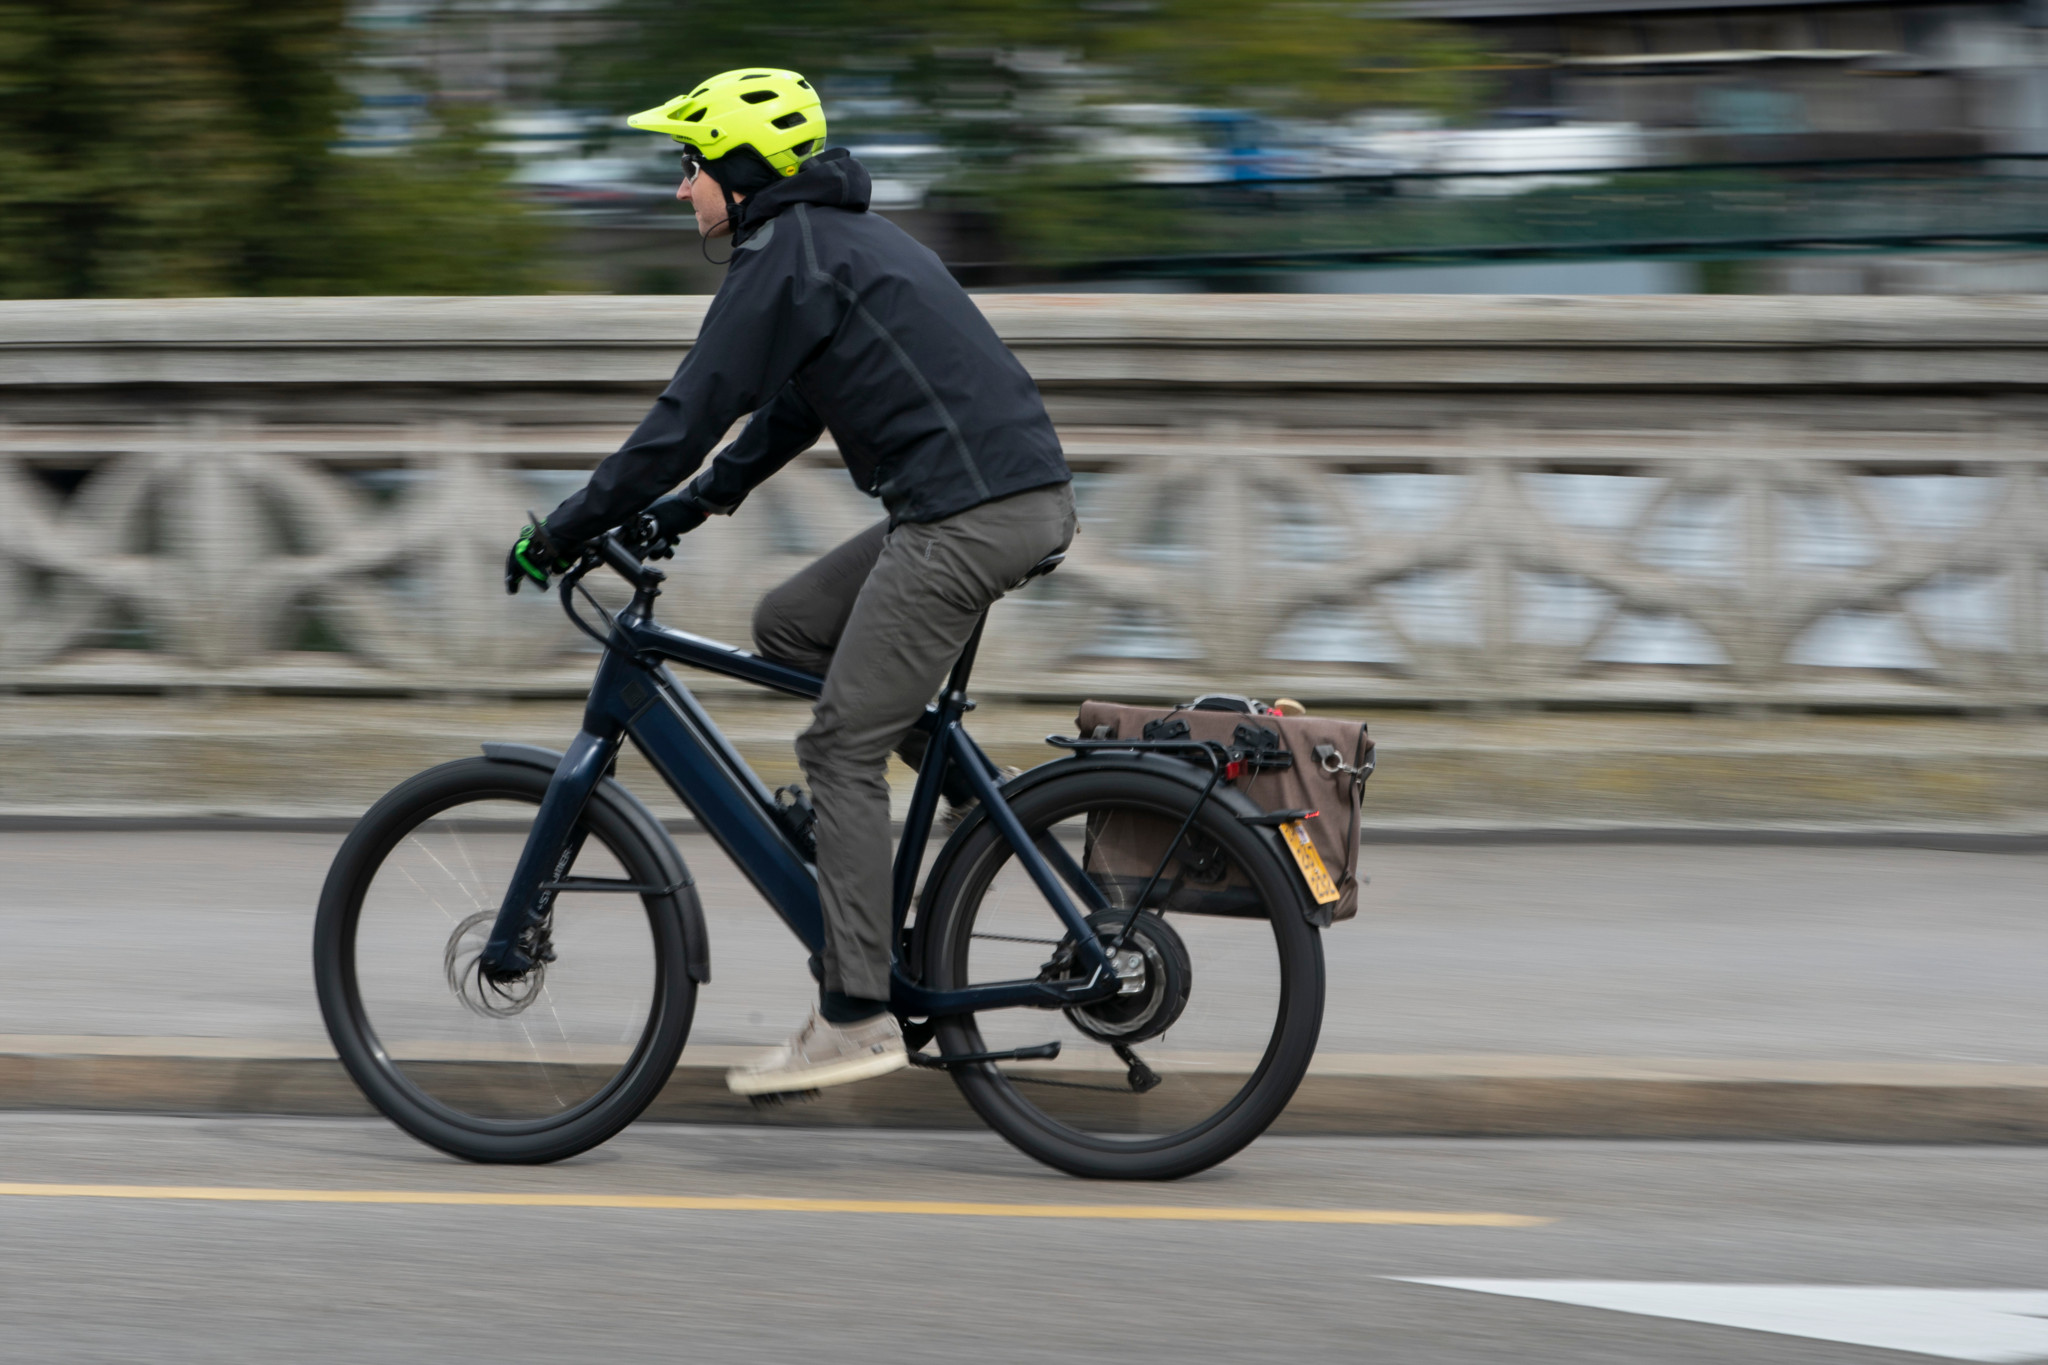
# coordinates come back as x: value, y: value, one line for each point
x: 1501, y: 501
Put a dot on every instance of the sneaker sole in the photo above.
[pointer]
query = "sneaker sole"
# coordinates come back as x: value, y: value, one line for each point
x: 817, y: 1077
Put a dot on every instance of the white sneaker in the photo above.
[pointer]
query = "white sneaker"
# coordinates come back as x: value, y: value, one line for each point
x: 822, y: 1053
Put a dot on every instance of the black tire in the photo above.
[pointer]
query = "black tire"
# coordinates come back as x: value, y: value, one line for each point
x: 1076, y: 1120
x: 470, y: 1103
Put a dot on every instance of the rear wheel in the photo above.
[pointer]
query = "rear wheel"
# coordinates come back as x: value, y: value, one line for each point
x: 1179, y: 1072
x: 530, y: 1070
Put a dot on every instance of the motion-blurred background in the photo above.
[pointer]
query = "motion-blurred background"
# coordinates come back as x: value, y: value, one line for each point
x: 1637, y: 410
x: 1595, y: 146
x: 1738, y: 551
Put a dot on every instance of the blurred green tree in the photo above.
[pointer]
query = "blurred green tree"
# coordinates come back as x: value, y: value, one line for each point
x: 1309, y: 58
x: 184, y: 147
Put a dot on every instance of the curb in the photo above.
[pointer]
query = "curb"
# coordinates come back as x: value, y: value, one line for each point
x: 1355, y: 1097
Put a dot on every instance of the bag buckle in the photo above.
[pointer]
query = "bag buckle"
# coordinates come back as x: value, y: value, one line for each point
x: 1331, y: 762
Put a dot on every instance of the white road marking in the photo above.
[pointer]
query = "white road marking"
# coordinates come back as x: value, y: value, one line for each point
x: 1994, y: 1325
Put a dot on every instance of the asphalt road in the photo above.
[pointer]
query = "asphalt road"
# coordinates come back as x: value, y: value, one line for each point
x: 1829, y: 954
x: 85, y: 1277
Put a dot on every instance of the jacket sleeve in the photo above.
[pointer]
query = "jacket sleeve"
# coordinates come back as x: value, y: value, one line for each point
x: 766, y: 322
x: 774, y: 436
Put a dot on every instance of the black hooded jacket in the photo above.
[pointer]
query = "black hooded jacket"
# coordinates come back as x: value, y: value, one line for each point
x: 833, y: 317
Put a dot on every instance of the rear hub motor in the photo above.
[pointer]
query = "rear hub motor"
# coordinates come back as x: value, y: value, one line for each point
x: 1154, y: 978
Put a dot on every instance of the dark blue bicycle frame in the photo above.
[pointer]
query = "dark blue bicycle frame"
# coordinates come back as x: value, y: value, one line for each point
x: 635, y: 696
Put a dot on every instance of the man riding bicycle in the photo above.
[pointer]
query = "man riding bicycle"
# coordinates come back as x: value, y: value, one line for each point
x: 833, y: 318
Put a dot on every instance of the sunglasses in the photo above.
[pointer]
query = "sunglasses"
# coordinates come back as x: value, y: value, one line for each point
x: 690, y: 168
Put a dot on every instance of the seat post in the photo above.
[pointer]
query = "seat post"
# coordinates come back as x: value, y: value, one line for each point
x: 956, y: 685
x: 955, y: 696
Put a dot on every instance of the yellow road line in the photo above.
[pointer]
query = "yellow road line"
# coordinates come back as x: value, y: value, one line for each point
x: 230, y: 1194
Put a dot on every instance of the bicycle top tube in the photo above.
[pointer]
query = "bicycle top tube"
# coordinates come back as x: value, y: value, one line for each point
x: 695, y: 651
x: 644, y: 637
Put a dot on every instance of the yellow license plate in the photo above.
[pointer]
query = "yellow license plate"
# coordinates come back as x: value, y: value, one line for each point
x: 1295, y: 832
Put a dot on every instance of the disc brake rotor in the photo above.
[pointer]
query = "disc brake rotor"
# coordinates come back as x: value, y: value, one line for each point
x: 479, y: 994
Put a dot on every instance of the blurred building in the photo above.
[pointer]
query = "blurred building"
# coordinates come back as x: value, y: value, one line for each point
x: 1804, y: 79
x: 1824, y: 81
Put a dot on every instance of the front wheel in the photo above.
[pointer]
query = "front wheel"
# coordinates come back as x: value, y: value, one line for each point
x: 1215, y: 1031
x: 529, y: 1070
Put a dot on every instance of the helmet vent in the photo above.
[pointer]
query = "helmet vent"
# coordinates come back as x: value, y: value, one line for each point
x: 803, y: 148
x: 789, y: 120
x: 697, y: 117
x: 758, y: 96
x: 804, y: 83
x: 757, y: 75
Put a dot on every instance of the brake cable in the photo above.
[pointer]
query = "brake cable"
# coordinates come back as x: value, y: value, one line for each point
x: 571, y: 584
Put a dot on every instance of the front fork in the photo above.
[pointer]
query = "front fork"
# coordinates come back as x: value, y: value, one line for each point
x: 551, y: 849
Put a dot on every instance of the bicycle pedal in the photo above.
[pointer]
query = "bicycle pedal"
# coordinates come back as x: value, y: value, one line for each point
x: 777, y: 1099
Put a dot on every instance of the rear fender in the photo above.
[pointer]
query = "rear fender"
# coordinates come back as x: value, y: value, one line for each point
x: 683, y: 900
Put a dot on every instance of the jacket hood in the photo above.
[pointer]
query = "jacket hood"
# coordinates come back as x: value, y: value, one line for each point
x: 831, y: 179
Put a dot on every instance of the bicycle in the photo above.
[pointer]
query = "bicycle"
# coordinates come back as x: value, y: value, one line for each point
x: 508, y: 948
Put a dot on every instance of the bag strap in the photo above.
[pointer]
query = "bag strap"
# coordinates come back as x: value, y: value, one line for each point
x: 1357, y: 809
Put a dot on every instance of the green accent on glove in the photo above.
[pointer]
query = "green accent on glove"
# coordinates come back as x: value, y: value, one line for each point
x: 525, y: 551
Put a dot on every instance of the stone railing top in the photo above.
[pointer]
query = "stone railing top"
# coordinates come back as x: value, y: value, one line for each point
x: 1072, y: 340
x: 1319, y: 320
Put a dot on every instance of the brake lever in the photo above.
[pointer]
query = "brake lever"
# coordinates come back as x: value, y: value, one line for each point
x: 643, y: 538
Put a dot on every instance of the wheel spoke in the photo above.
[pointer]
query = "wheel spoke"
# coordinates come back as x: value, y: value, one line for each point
x: 528, y: 1067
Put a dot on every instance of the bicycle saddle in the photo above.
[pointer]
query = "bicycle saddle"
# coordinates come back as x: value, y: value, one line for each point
x: 1043, y: 567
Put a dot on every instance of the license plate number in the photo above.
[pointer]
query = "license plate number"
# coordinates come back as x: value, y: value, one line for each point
x: 1320, y: 885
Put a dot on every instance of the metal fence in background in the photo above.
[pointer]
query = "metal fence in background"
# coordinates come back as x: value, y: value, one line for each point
x: 1600, y: 503
x: 1703, y: 211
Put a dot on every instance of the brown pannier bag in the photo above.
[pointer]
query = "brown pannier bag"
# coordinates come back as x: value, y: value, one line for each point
x: 1127, y: 855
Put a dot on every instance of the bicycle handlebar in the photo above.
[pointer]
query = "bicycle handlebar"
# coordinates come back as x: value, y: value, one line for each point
x: 615, y: 556
x: 613, y: 553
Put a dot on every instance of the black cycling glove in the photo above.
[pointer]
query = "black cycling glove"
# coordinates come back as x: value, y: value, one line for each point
x: 678, y: 514
x: 652, y: 534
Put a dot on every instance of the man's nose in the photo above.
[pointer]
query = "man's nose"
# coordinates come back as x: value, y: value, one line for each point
x: 683, y: 190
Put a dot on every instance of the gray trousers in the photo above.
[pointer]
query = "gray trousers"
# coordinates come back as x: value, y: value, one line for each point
x: 884, y: 617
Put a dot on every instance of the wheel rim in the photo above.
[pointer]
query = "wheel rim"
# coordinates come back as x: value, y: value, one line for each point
x: 1221, y: 1041
x: 525, y: 1058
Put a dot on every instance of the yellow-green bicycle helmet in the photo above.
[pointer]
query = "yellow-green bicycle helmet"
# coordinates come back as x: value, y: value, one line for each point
x: 777, y: 113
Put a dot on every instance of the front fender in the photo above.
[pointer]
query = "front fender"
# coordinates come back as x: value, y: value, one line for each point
x: 683, y: 901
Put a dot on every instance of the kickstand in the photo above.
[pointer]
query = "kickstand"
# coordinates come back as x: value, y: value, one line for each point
x: 1141, y: 1077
